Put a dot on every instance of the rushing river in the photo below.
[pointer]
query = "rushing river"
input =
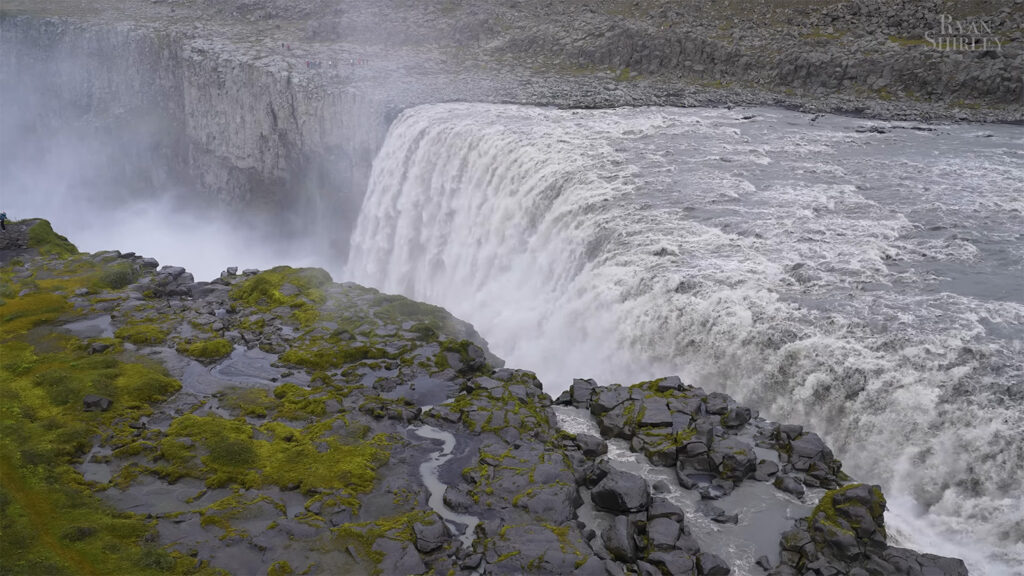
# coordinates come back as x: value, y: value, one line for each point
x: 861, y: 277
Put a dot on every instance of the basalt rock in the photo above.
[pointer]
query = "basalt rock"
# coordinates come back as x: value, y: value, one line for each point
x: 845, y: 534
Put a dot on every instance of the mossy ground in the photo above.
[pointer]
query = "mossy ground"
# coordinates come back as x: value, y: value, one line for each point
x: 266, y: 291
x: 42, y: 238
x: 51, y: 521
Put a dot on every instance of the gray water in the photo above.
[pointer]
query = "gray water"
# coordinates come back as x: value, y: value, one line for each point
x: 863, y: 278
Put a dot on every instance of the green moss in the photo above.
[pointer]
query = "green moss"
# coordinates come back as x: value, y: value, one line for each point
x: 508, y: 555
x: 363, y: 535
x: 231, y: 455
x: 118, y: 276
x: 213, y: 349
x: 142, y: 334
x: 264, y: 291
x: 52, y: 523
x: 19, y: 315
x: 321, y: 354
x: 393, y: 309
x: 280, y: 568
x: 42, y: 237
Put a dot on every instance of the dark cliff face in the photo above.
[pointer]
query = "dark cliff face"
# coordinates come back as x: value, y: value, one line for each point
x: 277, y: 422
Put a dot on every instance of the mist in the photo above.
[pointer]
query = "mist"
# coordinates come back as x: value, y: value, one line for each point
x: 115, y: 175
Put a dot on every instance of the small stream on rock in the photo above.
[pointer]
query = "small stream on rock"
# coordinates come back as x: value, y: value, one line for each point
x: 429, y: 472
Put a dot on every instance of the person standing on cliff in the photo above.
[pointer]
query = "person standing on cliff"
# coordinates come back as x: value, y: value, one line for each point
x: 3, y: 220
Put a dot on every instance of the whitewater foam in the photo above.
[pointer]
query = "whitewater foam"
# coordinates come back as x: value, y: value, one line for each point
x: 864, y: 283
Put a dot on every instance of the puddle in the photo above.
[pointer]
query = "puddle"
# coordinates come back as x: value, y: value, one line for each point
x: 96, y: 327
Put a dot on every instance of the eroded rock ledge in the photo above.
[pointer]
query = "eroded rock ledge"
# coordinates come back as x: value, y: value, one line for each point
x: 276, y: 422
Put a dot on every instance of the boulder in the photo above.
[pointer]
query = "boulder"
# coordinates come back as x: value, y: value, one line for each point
x: 789, y: 484
x: 621, y: 492
x: 717, y: 403
x: 662, y: 534
x: 766, y: 469
x: 430, y: 537
x: 733, y: 458
x: 618, y: 539
x: 94, y: 403
x: 580, y: 392
x: 663, y: 508
x: 673, y: 563
x: 709, y: 564
x: 98, y: 347
x: 608, y: 398
x: 669, y: 384
x: 654, y: 412
x: 591, y: 446
x: 736, y: 417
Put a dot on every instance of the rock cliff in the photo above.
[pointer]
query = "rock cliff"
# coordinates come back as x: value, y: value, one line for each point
x: 277, y: 422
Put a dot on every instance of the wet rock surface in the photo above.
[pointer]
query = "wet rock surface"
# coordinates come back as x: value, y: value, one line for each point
x: 333, y: 429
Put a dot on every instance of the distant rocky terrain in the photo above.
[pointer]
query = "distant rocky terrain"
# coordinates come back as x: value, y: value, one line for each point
x: 275, y: 422
x: 279, y: 106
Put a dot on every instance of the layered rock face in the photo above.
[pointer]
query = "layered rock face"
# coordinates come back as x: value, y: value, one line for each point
x: 276, y: 422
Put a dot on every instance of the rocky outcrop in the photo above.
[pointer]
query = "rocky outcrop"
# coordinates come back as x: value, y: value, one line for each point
x: 275, y: 421
x: 846, y: 535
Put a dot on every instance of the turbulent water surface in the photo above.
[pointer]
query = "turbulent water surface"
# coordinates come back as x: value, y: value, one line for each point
x: 861, y: 277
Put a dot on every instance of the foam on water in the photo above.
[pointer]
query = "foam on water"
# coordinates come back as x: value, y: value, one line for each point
x: 866, y: 284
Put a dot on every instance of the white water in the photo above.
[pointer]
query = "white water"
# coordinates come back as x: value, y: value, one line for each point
x: 867, y: 285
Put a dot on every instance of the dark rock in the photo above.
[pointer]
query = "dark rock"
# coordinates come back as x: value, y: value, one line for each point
x: 765, y: 470
x: 94, y: 403
x: 596, y: 473
x: 687, y: 545
x: 726, y: 519
x: 564, y: 399
x: 673, y: 563
x: 618, y: 539
x: 733, y: 458
x: 664, y: 508
x: 430, y: 537
x: 788, y: 432
x: 709, y: 564
x: 669, y: 384
x: 580, y: 392
x: 662, y: 534
x: 621, y: 492
x: 790, y: 485
x: 608, y: 398
x: 655, y: 413
x: 98, y: 347
x: 717, y: 489
x: 472, y: 561
x: 645, y: 569
x: 764, y: 563
x: 591, y: 446
x: 717, y: 403
x: 660, y: 487
x: 398, y: 557
x: 736, y: 417
x: 457, y: 499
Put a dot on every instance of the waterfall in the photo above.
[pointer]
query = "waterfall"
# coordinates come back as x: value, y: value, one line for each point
x: 800, y: 267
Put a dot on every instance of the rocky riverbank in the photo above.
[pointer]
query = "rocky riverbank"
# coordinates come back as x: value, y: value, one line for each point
x: 277, y: 422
